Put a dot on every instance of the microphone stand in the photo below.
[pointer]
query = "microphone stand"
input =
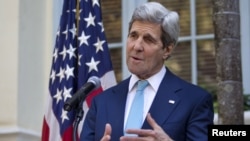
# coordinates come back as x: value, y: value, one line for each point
x: 78, y: 118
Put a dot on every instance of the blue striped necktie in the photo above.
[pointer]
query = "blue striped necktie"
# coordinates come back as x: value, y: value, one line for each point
x: 135, y: 117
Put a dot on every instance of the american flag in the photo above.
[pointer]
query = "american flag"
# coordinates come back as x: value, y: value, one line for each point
x: 81, y: 51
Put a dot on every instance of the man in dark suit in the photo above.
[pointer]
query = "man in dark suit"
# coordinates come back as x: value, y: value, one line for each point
x: 173, y: 109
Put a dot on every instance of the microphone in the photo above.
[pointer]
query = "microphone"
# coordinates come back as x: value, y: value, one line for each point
x: 82, y: 93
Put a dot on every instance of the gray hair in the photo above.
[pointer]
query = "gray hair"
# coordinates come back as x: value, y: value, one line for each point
x: 156, y: 13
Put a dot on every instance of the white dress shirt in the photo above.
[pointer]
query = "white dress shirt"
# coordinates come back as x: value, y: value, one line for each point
x: 149, y: 92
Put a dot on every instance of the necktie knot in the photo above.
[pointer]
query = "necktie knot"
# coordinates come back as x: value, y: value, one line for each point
x: 142, y: 84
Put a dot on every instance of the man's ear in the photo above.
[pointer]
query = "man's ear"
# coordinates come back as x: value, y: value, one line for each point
x: 168, y: 51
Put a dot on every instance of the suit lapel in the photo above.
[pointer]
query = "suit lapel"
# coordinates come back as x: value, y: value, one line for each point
x: 116, y: 106
x: 165, y: 100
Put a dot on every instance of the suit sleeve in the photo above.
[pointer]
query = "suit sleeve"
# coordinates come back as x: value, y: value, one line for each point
x: 88, y: 129
x: 201, y: 117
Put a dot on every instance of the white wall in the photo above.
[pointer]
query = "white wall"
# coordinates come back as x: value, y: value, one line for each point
x: 245, y: 44
x: 26, y: 49
x: 9, y: 63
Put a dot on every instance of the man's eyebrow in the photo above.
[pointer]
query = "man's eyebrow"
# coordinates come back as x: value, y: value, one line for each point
x: 150, y: 36
x: 132, y: 31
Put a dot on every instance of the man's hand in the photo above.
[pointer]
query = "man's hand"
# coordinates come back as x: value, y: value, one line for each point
x: 157, y: 134
x: 107, y: 133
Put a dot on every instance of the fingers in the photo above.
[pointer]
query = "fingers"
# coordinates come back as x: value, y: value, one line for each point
x: 129, y: 138
x: 158, y: 132
x: 107, y: 129
x: 152, y: 122
x: 107, y: 133
x: 145, y: 132
x: 141, y: 132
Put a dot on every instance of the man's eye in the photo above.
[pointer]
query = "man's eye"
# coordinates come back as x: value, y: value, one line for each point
x: 133, y: 35
x: 148, y: 39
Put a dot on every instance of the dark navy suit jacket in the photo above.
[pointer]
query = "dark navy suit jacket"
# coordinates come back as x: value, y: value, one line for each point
x: 183, y: 111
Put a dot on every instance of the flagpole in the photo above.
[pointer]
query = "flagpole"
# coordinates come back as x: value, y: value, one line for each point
x: 77, y: 17
x: 79, y: 110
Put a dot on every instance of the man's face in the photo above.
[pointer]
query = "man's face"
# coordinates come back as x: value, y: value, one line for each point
x: 145, y: 51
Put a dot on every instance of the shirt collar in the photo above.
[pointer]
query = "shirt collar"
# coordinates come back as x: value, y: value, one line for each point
x: 154, y: 81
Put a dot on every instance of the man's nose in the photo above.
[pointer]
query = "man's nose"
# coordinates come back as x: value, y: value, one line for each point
x: 138, y: 45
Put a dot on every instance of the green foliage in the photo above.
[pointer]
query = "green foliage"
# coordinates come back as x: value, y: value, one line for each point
x: 213, y: 90
x: 247, y: 102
